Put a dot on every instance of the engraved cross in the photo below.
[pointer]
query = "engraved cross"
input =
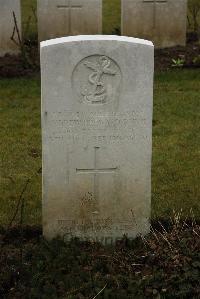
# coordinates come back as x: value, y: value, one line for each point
x: 96, y: 171
x: 154, y: 8
x: 69, y: 7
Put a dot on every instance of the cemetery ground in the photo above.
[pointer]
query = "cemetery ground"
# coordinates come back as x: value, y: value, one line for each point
x: 163, y: 265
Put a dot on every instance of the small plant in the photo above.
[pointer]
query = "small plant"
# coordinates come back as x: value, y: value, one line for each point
x: 179, y: 62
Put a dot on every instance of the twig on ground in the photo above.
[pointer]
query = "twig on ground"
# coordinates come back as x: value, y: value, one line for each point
x: 18, y: 203
x: 100, y: 291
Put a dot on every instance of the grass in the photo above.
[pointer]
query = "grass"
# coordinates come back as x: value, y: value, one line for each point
x: 20, y: 147
x: 29, y: 17
x: 111, y: 16
x: 176, y: 144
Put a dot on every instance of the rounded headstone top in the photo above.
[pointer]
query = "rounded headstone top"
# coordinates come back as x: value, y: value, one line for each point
x: 78, y: 38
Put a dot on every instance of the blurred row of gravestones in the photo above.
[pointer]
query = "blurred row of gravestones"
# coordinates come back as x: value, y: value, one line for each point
x: 162, y: 21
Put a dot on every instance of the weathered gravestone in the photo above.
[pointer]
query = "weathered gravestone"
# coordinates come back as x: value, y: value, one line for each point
x: 162, y: 21
x: 97, y: 129
x: 7, y: 26
x: 57, y: 18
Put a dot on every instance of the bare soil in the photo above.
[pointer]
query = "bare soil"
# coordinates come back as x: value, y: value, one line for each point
x: 163, y: 57
x: 17, y: 66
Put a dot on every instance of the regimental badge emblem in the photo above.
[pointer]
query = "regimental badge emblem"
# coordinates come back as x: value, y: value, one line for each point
x: 96, y: 80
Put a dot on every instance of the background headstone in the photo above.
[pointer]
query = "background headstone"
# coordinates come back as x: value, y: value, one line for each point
x: 57, y: 18
x: 7, y: 25
x: 97, y: 96
x: 162, y: 21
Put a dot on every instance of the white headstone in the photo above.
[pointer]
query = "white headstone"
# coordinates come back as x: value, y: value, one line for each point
x: 57, y: 18
x: 7, y: 25
x: 162, y: 21
x: 97, y: 94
